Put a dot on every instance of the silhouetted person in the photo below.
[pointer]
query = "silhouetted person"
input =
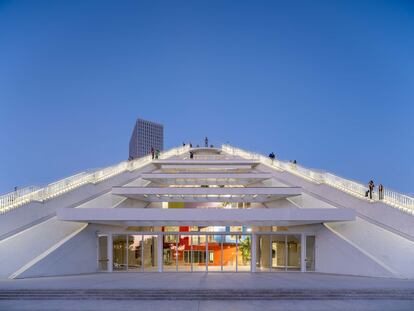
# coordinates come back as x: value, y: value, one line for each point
x: 206, y: 142
x: 381, y: 192
x: 191, y: 145
x: 371, y: 187
x: 152, y: 152
x: 191, y: 155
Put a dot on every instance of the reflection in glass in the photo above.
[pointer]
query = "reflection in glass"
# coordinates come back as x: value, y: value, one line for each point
x: 229, y: 253
x: 134, y: 252
x: 263, y: 253
x: 103, y: 253
x: 214, y: 252
x: 199, y: 254
x: 243, y: 253
x: 119, y: 253
x: 184, y: 253
x: 293, y: 252
x: 310, y: 253
x: 278, y: 255
x: 170, y: 252
x: 150, y: 244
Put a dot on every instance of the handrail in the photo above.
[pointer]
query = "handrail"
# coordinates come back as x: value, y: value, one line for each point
x: 401, y: 201
x: 26, y: 195
x: 15, y: 199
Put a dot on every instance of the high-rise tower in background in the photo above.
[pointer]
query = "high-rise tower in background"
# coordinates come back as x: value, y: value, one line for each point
x: 146, y: 135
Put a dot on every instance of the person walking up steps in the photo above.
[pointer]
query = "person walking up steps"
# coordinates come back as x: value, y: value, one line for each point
x: 371, y: 187
x: 272, y: 156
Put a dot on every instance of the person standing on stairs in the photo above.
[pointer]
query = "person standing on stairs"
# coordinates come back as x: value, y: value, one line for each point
x: 371, y: 187
x: 380, y: 192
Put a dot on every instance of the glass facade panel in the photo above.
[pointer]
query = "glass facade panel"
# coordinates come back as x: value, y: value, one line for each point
x: 278, y: 252
x: 103, y: 253
x: 184, y: 253
x: 244, y: 252
x: 263, y: 253
x: 171, y: 229
x: 134, y: 252
x: 293, y: 252
x: 229, y: 253
x: 310, y: 253
x: 199, y: 253
x: 150, y: 253
x: 170, y: 252
x: 119, y: 252
x: 214, y: 252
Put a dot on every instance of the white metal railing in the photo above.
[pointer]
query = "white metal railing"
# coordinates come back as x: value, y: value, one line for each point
x: 395, y: 199
x: 26, y: 195
x: 17, y: 195
x: 209, y: 157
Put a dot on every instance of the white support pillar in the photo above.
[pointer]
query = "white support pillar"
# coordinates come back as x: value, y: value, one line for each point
x: 159, y: 252
x: 110, y: 253
x: 303, y: 253
x: 253, y: 253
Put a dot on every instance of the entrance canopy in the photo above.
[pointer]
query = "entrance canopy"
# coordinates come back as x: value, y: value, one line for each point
x: 206, y: 216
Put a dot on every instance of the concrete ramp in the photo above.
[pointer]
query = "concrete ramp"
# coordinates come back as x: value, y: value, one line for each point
x: 23, y: 247
x: 388, y: 249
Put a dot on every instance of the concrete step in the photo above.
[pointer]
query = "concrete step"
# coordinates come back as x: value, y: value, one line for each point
x: 128, y: 294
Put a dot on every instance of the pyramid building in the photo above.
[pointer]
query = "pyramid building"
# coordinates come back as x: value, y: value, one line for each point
x: 205, y: 210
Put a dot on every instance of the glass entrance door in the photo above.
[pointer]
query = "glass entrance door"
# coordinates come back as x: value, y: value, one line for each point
x: 278, y: 253
x: 310, y: 253
x: 201, y: 252
x: 170, y: 255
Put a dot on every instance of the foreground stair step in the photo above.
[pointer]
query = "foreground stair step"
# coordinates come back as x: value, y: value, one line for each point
x: 131, y: 294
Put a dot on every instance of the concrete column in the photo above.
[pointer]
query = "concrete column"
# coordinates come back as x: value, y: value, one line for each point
x: 159, y: 252
x: 110, y: 253
x: 253, y: 252
x: 302, y: 253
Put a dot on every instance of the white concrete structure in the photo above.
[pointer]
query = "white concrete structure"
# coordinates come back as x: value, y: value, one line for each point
x: 224, y: 210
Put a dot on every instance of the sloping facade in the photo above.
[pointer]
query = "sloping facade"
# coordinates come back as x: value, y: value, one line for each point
x: 219, y: 210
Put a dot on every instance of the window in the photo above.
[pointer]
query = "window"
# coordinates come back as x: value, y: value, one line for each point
x: 102, y: 253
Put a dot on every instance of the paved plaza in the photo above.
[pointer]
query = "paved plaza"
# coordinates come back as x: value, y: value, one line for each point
x: 289, y: 280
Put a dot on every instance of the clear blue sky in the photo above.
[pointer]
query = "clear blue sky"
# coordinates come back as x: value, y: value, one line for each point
x: 328, y: 83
